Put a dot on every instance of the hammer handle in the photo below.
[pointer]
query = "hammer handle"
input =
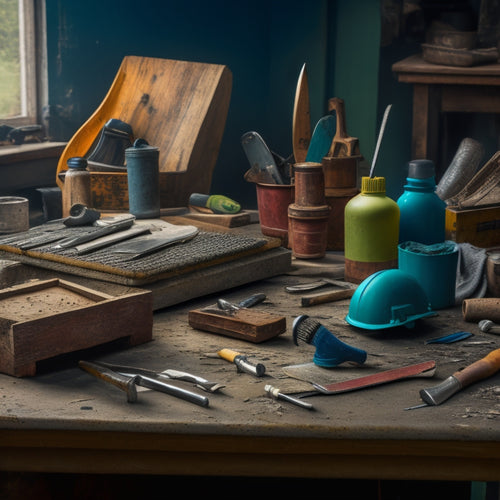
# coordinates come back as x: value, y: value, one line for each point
x: 480, y: 369
x: 321, y: 298
x: 123, y: 382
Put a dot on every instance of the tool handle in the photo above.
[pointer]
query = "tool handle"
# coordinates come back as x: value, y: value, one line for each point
x: 228, y: 354
x: 123, y: 382
x: 93, y: 235
x: 479, y: 370
x: 253, y: 300
x: 322, y: 298
x: 276, y: 394
x: 337, y: 105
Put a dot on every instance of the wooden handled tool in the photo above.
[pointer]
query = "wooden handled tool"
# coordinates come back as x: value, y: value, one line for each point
x: 125, y: 383
x: 324, y: 297
x: 342, y: 144
x: 478, y: 370
x: 242, y: 363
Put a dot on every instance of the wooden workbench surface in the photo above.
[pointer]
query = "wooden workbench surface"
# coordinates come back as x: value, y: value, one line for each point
x: 65, y: 420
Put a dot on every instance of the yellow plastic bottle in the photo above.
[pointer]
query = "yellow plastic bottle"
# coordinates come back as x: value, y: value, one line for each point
x: 371, y: 231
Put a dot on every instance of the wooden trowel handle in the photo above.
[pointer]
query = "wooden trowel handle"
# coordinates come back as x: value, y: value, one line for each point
x: 336, y: 104
x: 480, y: 369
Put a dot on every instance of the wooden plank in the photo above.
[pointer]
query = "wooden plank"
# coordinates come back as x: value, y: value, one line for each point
x: 467, y: 99
x: 244, y: 324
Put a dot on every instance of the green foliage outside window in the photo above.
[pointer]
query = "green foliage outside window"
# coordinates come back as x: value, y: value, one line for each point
x: 10, y: 79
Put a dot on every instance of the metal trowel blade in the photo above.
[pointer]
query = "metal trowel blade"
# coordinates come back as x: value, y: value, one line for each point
x: 260, y: 155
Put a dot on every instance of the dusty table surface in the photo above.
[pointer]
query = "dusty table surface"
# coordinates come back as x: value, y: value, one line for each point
x: 64, y: 400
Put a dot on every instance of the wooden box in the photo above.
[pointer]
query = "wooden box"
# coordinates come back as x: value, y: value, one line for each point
x: 43, y: 319
x: 478, y: 226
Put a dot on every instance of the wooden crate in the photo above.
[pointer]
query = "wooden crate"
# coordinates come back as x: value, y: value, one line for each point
x: 478, y: 226
x: 43, y: 319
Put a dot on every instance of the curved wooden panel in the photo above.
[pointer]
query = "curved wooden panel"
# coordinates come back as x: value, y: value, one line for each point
x: 178, y: 106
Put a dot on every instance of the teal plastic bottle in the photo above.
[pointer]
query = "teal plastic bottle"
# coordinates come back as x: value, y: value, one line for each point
x: 422, y: 211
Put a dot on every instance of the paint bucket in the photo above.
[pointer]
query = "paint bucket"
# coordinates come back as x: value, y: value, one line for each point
x: 434, y: 267
x: 272, y: 202
x: 14, y: 214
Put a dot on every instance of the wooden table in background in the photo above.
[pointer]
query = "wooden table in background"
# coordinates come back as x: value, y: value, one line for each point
x: 445, y: 89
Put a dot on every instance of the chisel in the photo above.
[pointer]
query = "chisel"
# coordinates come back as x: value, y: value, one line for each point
x: 479, y: 370
x: 242, y: 363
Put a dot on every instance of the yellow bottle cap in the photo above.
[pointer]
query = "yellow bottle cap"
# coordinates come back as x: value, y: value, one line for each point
x: 372, y: 185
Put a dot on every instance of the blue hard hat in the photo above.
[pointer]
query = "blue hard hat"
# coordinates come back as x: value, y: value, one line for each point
x: 388, y: 298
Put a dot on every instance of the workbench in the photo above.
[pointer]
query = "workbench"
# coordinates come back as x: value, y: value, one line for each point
x: 63, y: 420
x: 445, y: 89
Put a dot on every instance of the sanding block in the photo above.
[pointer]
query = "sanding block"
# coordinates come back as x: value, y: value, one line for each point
x: 245, y: 324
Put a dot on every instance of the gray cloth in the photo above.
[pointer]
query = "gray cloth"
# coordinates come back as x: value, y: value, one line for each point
x: 471, y: 273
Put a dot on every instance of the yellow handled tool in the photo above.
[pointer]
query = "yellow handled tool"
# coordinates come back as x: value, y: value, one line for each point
x: 242, y: 363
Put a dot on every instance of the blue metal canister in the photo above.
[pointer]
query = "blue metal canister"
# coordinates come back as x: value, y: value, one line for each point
x: 143, y: 180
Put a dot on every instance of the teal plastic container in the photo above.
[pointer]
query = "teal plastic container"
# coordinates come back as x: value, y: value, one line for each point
x: 434, y: 267
x: 422, y: 211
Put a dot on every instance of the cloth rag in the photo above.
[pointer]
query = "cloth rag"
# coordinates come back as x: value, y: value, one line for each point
x: 471, y: 273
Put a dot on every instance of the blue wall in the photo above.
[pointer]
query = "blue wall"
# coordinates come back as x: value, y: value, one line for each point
x: 264, y: 43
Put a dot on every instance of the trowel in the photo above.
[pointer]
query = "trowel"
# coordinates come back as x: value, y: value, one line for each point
x: 263, y: 167
x: 321, y: 139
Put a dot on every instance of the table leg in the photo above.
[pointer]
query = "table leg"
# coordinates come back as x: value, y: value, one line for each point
x: 426, y: 122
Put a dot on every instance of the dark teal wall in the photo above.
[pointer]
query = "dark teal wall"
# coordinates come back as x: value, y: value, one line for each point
x: 264, y: 43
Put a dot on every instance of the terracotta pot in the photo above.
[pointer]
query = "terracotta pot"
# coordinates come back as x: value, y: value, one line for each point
x: 272, y: 202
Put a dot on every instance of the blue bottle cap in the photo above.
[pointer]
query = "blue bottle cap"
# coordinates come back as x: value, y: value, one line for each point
x: 421, y: 169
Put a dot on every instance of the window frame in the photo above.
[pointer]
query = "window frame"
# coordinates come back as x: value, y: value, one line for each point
x: 33, y: 67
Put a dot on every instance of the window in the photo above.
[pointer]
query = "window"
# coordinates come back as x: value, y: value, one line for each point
x: 23, y: 89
